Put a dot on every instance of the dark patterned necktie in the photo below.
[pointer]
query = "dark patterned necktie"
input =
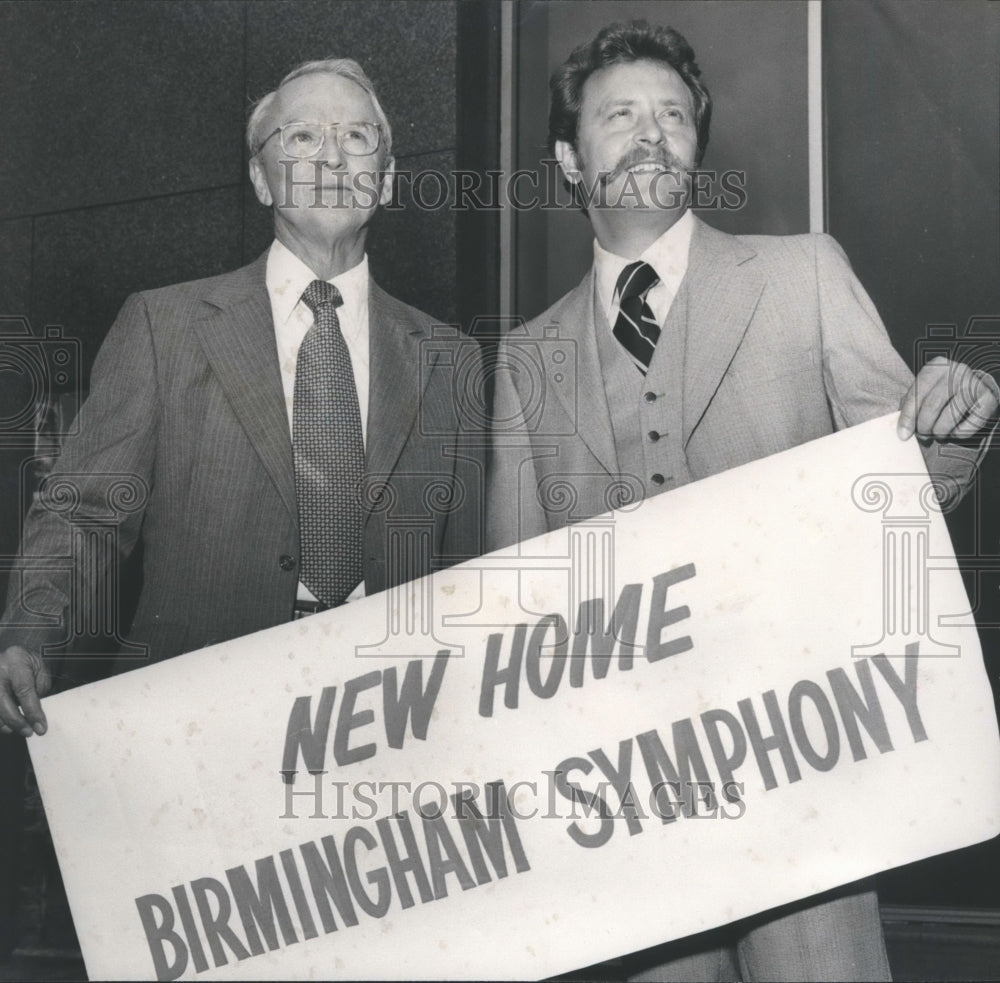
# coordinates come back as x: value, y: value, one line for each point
x: 329, y: 453
x: 635, y: 327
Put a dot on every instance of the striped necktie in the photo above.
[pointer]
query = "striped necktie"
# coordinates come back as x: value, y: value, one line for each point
x: 636, y: 328
x: 329, y: 453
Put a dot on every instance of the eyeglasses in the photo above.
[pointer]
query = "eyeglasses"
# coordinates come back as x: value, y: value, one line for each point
x: 300, y: 139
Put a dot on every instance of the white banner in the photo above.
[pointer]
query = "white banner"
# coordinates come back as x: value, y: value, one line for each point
x: 505, y: 784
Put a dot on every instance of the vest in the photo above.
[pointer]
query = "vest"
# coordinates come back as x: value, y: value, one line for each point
x: 646, y: 410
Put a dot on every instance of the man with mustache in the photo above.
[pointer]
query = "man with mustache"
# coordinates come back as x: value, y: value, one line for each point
x: 696, y: 352
x: 276, y: 421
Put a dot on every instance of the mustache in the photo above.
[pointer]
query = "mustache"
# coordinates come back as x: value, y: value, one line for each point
x: 662, y: 157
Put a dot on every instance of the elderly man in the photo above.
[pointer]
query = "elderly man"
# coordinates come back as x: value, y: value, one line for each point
x: 697, y: 352
x: 267, y: 418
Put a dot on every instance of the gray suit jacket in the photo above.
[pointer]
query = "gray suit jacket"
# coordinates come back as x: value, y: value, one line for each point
x: 775, y: 343
x: 185, y: 435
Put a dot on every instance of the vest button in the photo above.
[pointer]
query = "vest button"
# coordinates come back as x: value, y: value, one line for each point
x: 286, y: 562
x: 653, y: 436
x: 657, y: 479
x: 649, y: 397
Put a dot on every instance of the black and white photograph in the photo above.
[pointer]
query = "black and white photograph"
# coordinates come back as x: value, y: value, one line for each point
x: 500, y: 489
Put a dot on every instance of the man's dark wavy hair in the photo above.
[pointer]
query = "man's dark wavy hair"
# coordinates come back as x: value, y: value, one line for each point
x: 619, y: 44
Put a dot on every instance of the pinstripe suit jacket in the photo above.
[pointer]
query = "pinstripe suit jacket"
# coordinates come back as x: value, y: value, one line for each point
x: 772, y: 341
x: 186, y: 401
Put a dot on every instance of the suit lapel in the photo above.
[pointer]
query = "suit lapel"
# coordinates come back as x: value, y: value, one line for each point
x: 723, y: 288
x: 238, y: 340
x: 582, y: 395
x: 396, y: 381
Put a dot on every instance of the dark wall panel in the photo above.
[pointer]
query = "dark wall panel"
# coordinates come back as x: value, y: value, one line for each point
x: 753, y: 60
x: 87, y: 262
x: 15, y: 262
x: 412, y: 245
x: 913, y: 131
x: 258, y: 226
x: 407, y: 49
x: 16, y: 392
x: 16, y: 387
x: 109, y: 101
x: 13, y: 757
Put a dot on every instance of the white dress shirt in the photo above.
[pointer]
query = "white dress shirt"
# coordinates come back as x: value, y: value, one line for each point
x: 668, y: 256
x: 286, y: 278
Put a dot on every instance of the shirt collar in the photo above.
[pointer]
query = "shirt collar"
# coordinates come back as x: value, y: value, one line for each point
x: 287, y: 277
x: 668, y: 255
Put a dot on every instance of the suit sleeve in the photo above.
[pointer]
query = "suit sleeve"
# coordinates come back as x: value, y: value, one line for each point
x: 103, y: 476
x: 864, y: 375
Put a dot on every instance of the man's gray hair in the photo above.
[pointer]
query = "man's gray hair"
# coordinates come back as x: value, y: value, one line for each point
x: 346, y: 68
